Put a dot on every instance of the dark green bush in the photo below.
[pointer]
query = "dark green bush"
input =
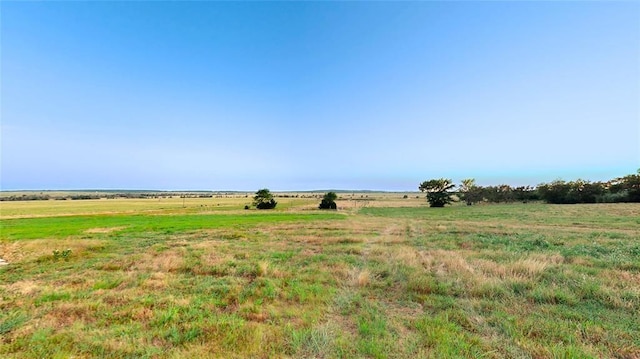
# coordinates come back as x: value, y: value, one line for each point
x: 328, y: 201
x: 264, y: 199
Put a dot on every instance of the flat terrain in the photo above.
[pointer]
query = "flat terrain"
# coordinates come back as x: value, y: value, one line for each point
x: 383, y: 277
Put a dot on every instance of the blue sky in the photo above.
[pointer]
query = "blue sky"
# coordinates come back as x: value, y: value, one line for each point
x: 316, y: 95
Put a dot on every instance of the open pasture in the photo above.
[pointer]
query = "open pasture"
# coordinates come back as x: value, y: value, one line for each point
x: 384, y: 277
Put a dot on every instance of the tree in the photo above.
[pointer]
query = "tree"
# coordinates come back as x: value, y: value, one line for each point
x: 582, y: 191
x: 578, y: 191
x: 329, y: 201
x: 264, y: 199
x: 525, y: 194
x: 627, y: 188
x: 467, y: 184
x: 555, y: 192
x: 470, y: 192
x: 438, y: 191
x: 505, y: 193
x: 632, y: 183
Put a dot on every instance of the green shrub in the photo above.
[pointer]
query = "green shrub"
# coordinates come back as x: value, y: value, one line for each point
x: 264, y: 199
x: 328, y: 201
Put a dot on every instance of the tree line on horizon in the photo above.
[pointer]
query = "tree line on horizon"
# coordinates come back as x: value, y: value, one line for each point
x: 440, y: 191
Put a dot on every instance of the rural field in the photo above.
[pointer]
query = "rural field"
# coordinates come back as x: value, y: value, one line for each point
x: 382, y: 277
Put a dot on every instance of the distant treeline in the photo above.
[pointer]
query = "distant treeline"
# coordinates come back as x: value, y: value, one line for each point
x: 622, y: 189
x: 498, y: 194
x: 82, y: 195
x: 101, y: 195
x: 44, y: 196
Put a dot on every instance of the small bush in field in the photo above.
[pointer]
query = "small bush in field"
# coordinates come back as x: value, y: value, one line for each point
x: 264, y: 199
x: 329, y: 201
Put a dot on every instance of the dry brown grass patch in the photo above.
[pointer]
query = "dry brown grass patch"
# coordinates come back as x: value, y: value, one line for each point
x: 277, y: 273
x: 445, y: 262
x: 213, y: 258
x: 359, y: 277
x: 441, y: 228
x: 491, y: 268
x: 620, y: 279
x: 256, y: 317
x: 364, y: 277
x: 11, y: 251
x: 405, y: 255
x: 551, y: 259
x: 629, y: 352
x: 14, y: 252
x: 24, y: 287
x: 181, y: 301
x: 115, y: 299
x: 121, y: 264
x: 102, y: 230
x: 167, y: 261
x: 157, y: 281
x: 142, y: 314
x: 66, y: 314
x: 527, y: 268
x: 263, y: 268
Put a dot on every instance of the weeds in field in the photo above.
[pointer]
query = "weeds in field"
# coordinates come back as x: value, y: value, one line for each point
x: 64, y: 254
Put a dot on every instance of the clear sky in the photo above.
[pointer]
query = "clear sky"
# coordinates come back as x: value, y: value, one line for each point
x: 316, y: 95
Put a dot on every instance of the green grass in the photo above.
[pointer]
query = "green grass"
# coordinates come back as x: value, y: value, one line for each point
x: 595, y: 216
x: 60, y: 227
x: 516, y: 281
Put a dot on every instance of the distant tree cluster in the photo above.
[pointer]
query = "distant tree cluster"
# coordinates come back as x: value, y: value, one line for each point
x: 115, y: 194
x: 440, y: 192
x: 622, y: 189
x: 27, y: 197
x: 46, y: 197
x: 472, y: 193
x: 81, y: 196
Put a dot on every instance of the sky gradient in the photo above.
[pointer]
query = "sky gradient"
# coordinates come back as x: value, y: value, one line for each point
x: 316, y: 95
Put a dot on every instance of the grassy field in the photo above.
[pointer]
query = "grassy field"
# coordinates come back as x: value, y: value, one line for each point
x: 384, y: 277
